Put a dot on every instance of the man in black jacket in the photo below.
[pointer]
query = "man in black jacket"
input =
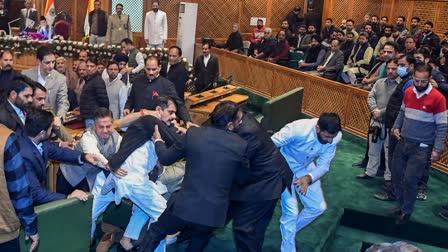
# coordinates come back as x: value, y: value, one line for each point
x: 7, y: 73
x: 93, y: 94
x: 203, y: 200
x: 206, y: 70
x: 97, y: 24
x: 148, y: 87
x: 252, y: 204
x: 175, y: 71
x: 12, y: 111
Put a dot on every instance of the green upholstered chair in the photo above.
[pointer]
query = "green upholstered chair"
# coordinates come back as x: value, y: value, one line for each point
x: 63, y: 225
x: 282, y: 109
x: 294, y: 58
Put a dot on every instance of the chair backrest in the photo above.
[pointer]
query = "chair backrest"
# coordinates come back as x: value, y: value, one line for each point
x: 282, y: 109
x: 62, y: 28
x: 246, y: 44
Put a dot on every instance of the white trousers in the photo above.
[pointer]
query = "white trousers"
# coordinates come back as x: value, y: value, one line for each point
x: 292, y: 219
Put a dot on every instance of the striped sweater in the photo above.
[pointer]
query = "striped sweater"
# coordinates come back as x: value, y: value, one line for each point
x: 423, y: 118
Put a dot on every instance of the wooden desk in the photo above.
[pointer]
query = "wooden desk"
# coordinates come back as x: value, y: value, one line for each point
x: 200, y: 113
x: 209, y: 95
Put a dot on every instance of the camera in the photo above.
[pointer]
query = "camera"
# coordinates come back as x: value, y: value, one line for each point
x: 375, y: 132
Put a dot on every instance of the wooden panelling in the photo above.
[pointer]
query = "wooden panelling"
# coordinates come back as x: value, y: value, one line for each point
x: 320, y: 95
x: 211, y: 21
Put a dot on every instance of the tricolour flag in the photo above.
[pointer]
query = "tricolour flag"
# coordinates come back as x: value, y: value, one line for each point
x: 90, y: 8
x: 50, y: 12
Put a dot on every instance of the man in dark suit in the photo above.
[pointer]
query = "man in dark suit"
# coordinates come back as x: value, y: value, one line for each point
x: 203, y: 200
x: 28, y: 17
x: 146, y: 88
x: 12, y: 111
x: 36, y: 152
x: 175, y: 71
x: 4, y: 18
x: 252, y: 204
x: 206, y: 69
x: 7, y: 73
x: 333, y: 62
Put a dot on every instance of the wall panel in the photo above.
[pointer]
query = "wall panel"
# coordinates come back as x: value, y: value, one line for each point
x: 215, y: 18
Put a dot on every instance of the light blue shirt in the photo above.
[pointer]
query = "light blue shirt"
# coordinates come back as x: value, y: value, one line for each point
x: 39, y: 147
x: 300, y: 147
x: 19, y: 112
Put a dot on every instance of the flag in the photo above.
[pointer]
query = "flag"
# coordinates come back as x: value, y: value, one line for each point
x: 50, y: 12
x: 86, y: 21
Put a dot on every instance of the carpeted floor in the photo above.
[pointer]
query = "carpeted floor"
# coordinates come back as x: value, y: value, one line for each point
x: 354, y: 218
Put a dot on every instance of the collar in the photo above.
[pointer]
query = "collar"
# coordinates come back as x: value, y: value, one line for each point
x: 39, y: 147
x: 420, y: 95
x: 40, y: 76
x: 151, y: 81
x: 16, y: 109
x: 208, y: 57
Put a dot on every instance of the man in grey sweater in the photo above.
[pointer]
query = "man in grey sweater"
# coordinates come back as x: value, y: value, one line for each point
x: 378, y: 136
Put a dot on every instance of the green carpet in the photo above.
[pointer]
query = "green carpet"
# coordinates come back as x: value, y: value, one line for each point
x: 344, y: 192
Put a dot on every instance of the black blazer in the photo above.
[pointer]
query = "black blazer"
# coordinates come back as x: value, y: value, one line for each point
x: 32, y: 15
x: 269, y: 171
x: 9, y: 117
x: 205, y: 76
x: 4, y: 19
x: 216, y: 159
x: 178, y: 75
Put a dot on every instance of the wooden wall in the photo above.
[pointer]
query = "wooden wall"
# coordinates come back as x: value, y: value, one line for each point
x: 215, y: 17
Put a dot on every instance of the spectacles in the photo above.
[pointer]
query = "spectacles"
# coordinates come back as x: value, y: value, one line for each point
x: 422, y: 82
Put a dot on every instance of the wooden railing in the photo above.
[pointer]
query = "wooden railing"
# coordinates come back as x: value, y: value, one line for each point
x: 320, y: 95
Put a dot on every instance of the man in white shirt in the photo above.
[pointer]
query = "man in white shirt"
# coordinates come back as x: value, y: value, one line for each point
x: 301, y: 142
x: 156, y: 27
x: 116, y: 90
x: 136, y: 62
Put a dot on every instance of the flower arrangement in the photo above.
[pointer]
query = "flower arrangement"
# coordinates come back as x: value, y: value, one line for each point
x: 68, y: 48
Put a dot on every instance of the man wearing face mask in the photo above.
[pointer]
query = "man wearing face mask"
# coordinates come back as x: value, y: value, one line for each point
x: 405, y: 71
x: 301, y: 142
x: 156, y: 27
x: 420, y: 129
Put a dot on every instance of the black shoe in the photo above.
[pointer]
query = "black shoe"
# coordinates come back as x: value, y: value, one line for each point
x: 360, y: 164
x: 445, y: 207
x: 444, y: 214
x: 394, y: 212
x: 403, y: 219
x: 363, y: 176
x: 421, y: 195
x: 384, y: 196
x: 387, y: 185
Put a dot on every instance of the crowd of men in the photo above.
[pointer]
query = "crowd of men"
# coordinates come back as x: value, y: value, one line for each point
x: 193, y: 179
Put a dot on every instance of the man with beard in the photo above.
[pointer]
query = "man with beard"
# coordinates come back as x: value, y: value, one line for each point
x: 257, y: 33
x: 415, y: 32
x: 421, y: 130
x: 70, y: 76
x: 175, y: 71
x: 367, y: 20
x: 203, y: 200
x: 98, y: 24
x: 118, y: 26
x: 93, y: 94
x: 387, y: 37
x: 397, y: 39
x: 297, y: 42
x: 375, y: 24
x: 19, y: 99
x: 310, y: 32
x: 382, y: 25
x: 347, y: 45
x: 328, y: 31
x: 373, y: 38
x: 39, y: 97
x: 349, y: 28
x: 116, y: 90
x: 7, y: 73
x: 280, y: 52
x: 401, y: 26
x: 148, y: 87
x: 286, y: 30
x: 36, y: 152
x: 301, y: 142
x: 359, y: 59
x: 314, y: 56
x: 156, y: 27
x: 136, y: 62
x: 430, y: 39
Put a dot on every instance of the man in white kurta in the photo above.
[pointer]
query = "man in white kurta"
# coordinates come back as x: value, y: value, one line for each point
x: 156, y: 27
x: 308, y: 146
